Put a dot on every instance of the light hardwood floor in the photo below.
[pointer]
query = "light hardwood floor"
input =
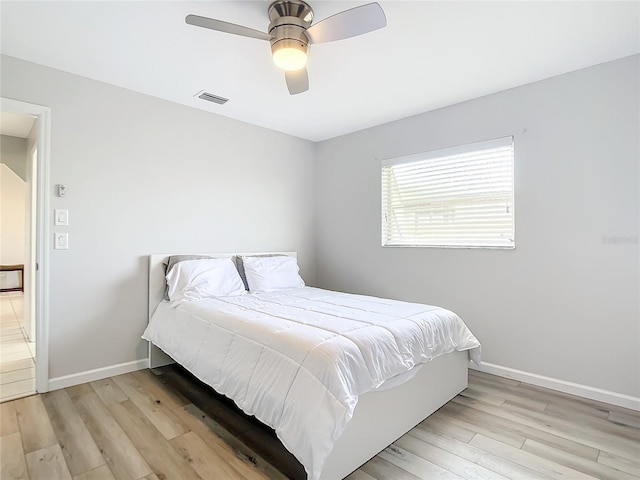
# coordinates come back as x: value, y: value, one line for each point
x: 137, y: 426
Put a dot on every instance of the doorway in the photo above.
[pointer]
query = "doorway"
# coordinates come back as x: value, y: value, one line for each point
x: 24, y: 170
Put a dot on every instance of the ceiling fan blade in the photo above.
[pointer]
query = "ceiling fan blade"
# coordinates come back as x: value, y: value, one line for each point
x: 226, y: 27
x: 297, y: 81
x: 350, y: 23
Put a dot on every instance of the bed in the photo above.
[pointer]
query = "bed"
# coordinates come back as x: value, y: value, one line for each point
x: 342, y: 429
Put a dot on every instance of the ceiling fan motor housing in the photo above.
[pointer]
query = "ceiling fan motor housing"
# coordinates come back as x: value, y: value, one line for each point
x: 289, y: 22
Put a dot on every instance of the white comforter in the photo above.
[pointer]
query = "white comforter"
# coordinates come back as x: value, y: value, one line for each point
x: 298, y: 359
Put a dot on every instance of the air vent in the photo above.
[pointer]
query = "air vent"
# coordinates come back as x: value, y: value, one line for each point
x: 210, y: 97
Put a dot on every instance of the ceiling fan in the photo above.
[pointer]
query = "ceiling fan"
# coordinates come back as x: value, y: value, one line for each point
x: 290, y: 33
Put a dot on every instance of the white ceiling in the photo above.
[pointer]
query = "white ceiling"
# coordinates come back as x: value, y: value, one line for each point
x: 15, y: 124
x: 431, y: 54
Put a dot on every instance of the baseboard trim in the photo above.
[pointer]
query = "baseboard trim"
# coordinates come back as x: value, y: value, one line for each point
x: 98, y: 374
x: 571, y: 388
x: 613, y: 398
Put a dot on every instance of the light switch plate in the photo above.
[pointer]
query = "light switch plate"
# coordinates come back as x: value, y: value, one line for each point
x: 61, y: 217
x: 60, y: 241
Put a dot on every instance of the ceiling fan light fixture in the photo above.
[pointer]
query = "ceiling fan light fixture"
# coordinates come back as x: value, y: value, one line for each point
x: 290, y: 55
x: 290, y: 33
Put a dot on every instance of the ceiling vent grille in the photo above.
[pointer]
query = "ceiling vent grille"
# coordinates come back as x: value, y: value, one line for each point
x: 210, y: 97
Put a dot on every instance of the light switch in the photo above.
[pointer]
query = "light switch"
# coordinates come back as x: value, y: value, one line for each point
x: 60, y: 217
x: 60, y: 241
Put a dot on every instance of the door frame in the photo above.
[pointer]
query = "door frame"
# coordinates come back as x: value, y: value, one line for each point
x: 43, y: 231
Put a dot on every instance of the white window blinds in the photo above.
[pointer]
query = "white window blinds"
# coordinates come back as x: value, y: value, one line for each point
x: 456, y: 197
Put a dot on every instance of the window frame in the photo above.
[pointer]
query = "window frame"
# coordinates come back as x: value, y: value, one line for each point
x: 444, y: 153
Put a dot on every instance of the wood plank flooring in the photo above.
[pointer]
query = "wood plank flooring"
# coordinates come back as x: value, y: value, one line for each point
x: 166, y: 425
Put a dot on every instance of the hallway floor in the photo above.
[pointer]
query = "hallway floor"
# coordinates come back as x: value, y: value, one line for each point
x: 17, y: 355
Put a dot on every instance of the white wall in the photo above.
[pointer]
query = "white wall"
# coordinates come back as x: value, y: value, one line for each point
x: 149, y: 176
x: 565, y: 303
x: 13, y: 197
x: 13, y: 151
x: 15, y: 242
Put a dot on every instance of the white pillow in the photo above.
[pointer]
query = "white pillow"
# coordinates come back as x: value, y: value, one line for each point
x: 196, y: 279
x: 266, y: 274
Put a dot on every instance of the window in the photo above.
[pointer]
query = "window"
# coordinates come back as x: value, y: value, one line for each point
x: 455, y: 197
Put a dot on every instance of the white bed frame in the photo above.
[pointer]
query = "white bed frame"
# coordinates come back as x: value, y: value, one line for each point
x: 380, y: 417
